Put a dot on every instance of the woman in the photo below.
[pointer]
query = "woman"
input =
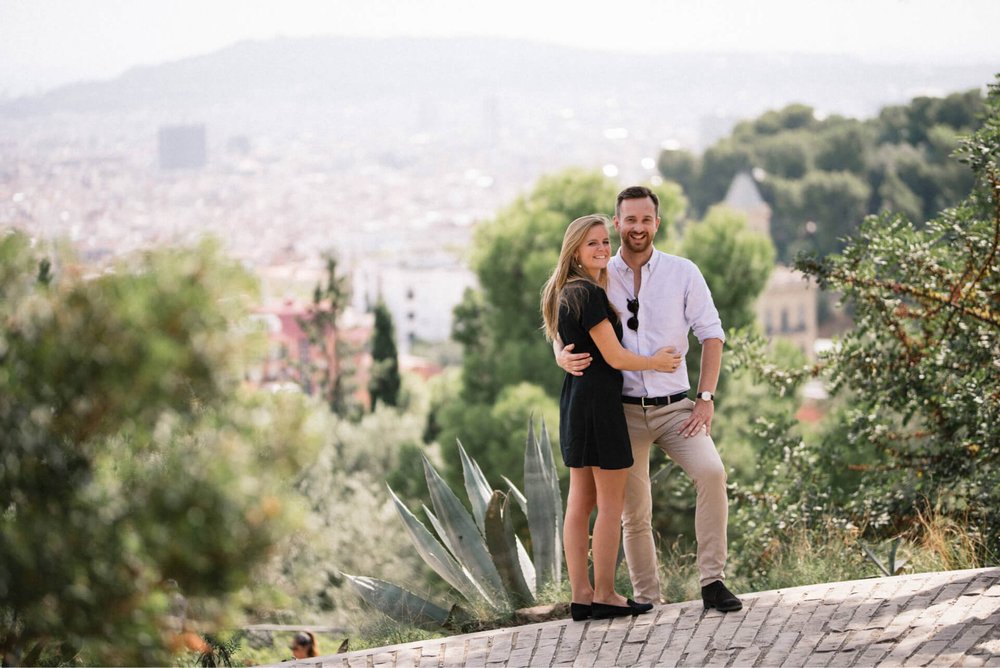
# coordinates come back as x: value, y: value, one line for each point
x: 304, y: 645
x: 592, y: 430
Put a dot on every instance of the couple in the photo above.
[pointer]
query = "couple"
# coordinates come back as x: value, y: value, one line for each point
x: 610, y: 419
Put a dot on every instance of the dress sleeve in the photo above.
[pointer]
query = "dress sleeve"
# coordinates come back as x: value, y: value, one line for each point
x: 594, y: 307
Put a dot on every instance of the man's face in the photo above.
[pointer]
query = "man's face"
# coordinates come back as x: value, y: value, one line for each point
x: 637, y: 223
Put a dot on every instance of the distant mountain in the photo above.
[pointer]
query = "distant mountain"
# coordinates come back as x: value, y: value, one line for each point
x: 321, y: 71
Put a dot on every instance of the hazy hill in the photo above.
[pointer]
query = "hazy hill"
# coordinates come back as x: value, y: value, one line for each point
x: 330, y: 70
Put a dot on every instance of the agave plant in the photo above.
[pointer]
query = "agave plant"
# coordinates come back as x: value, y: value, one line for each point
x: 478, y: 553
x: 892, y: 566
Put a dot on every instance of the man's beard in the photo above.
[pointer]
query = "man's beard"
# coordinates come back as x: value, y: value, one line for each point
x: 637, y: 245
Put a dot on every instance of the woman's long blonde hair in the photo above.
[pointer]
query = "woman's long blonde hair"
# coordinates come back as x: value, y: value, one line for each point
x: 568, y: 270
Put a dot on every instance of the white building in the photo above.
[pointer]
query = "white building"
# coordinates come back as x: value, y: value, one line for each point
x: 420, y: 297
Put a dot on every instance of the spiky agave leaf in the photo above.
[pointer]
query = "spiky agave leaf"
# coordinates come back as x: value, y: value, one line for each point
x: 476, y: 486
x: 549, y: 466
x: 402, y: 605
x: 517, y: 494
x: 489, y: 597
x: 464, y: 538
x: 438, y: 528
x: 527, y: 565
x: 502, y: 543
x: 437, y: 556
x: 543, y: 513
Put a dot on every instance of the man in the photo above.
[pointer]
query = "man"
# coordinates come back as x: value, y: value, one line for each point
x: 661, y: 298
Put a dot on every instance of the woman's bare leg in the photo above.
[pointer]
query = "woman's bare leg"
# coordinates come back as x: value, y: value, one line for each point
x: 580, y: 503
x: 610, y: 486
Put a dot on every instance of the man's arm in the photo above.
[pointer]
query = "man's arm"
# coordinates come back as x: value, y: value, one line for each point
x: 708, y: 380
x: 568, y: 361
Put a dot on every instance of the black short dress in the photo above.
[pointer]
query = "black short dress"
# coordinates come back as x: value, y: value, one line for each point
x: 592, y: 429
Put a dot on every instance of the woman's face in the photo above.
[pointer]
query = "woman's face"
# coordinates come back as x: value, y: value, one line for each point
x: 595, y: 251
x: 299, y: 651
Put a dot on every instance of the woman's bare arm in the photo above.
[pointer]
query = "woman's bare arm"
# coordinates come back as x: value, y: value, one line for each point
x: 665, y: 359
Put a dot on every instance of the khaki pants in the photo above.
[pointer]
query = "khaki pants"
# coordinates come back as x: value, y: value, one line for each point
x: 698, y: 458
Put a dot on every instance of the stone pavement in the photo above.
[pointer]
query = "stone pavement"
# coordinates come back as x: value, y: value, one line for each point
x: 949, y: 618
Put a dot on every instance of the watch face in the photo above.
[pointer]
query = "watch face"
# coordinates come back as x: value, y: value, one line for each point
x: 707, y: 396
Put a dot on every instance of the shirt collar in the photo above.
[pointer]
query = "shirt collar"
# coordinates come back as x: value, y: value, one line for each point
x: 623, y: 267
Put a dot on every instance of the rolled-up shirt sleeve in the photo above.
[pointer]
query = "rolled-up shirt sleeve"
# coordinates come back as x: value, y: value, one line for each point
x: 699, y: 309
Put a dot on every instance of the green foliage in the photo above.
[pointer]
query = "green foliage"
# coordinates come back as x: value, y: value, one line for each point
x: 347, y: 522
x: 678, y: 166
x: 925, y: 346
x: 834, y: 202
x: 492, y: 434
x: 718, y: 165
x: 385, y: 381
x: 785, y: 155
x: 911, y: 431
x: 835, y: 171
x: 131, y: 470
x: 542, y: 505
x: 792, y: 117
x: 382, y: 631
x: 843, y: 146
x: 401, y: 478
x: 220, y: 649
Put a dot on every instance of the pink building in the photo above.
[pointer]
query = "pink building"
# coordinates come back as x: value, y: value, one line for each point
x: 292, y: 360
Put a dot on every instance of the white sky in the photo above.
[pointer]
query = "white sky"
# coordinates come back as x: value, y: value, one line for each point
x: 44, y: 43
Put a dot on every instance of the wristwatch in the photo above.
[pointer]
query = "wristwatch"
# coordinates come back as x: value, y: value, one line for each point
x: 705, y: 396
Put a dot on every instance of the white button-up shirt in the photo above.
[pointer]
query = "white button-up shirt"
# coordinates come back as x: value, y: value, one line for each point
x: 674, y: 299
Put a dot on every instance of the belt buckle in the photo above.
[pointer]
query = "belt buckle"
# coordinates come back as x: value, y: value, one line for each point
x: 642, y: 402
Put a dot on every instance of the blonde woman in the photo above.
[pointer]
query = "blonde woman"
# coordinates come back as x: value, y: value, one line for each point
x: 592, y: 431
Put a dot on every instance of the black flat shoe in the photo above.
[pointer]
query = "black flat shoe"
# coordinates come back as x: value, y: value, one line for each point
x: 715, y: 595
x: 639, y: 607
x: 579, y: 611
x: 606, y: 610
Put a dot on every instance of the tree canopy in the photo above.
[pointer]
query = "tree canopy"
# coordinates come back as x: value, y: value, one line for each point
x: 133, y: 476
x: 918, y: 376
x: 822, y: 176
x: 385, y: 381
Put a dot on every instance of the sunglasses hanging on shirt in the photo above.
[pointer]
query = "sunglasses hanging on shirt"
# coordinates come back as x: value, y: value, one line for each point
x: 633, y: 308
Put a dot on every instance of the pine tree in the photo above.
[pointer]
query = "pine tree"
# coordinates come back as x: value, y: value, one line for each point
x: 385, y: 381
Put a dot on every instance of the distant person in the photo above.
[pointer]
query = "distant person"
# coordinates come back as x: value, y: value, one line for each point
x: 592, y: 431
x: 304, y: 645
x: 667, y: 298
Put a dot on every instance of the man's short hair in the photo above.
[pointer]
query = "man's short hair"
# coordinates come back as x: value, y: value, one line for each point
x: 637, y: 192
